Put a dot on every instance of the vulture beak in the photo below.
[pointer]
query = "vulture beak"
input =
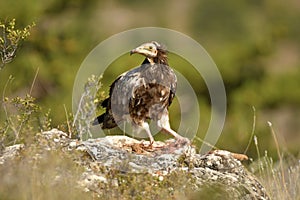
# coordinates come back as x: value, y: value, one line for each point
x: 132, y: 51
x: 146, y: 49
x: 136, y: 50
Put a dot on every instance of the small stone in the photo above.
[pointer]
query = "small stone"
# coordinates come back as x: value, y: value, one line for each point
x: 73, y: 144
x: 56, y: 140
x: 160, y: 178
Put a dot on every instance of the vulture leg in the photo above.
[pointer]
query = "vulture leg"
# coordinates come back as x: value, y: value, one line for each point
x: 164, y: 124
x: 171, y: 132
x: 145, y: 126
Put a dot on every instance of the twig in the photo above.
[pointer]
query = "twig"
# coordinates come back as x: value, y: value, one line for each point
x: 3, y: 93
x: 204, y: 142
x: 78, y: 110
x: 68, y: 122
x: 280, y: 157
x: 5, y: 109
x: 252, y: 131
x: 258, y: 154
x: 34, y: 79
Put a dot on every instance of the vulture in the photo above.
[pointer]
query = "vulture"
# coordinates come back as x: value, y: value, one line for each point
x: 142, y: 94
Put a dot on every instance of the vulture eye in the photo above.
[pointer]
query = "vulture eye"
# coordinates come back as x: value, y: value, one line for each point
x: 150, y: 47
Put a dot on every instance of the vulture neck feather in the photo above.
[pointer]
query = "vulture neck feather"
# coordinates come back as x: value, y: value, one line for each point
x: 161, y: 58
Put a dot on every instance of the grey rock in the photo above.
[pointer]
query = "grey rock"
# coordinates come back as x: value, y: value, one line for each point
x: 129, y: 156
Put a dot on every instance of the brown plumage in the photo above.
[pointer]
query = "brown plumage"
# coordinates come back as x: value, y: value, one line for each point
x: 142, y: 93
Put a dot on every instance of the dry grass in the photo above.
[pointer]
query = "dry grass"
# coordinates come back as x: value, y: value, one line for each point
x: 51, y: 175
x: 280, y: 178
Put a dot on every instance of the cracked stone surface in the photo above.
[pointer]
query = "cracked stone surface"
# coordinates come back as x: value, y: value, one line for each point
x: 131, y: 156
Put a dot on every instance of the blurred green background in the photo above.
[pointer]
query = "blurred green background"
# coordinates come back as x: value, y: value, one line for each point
x: 255, y: 44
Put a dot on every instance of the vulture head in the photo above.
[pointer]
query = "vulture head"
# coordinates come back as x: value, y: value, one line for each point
x: 155, y: 52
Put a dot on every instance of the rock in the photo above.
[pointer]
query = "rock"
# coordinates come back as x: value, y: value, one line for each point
x: 119, y: 162
x: 11, y: 152
x: 112, y: 151
x: 217, y: 166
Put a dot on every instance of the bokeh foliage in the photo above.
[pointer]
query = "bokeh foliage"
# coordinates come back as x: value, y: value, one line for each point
x: 255, y: 45
x: 10, y: 39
